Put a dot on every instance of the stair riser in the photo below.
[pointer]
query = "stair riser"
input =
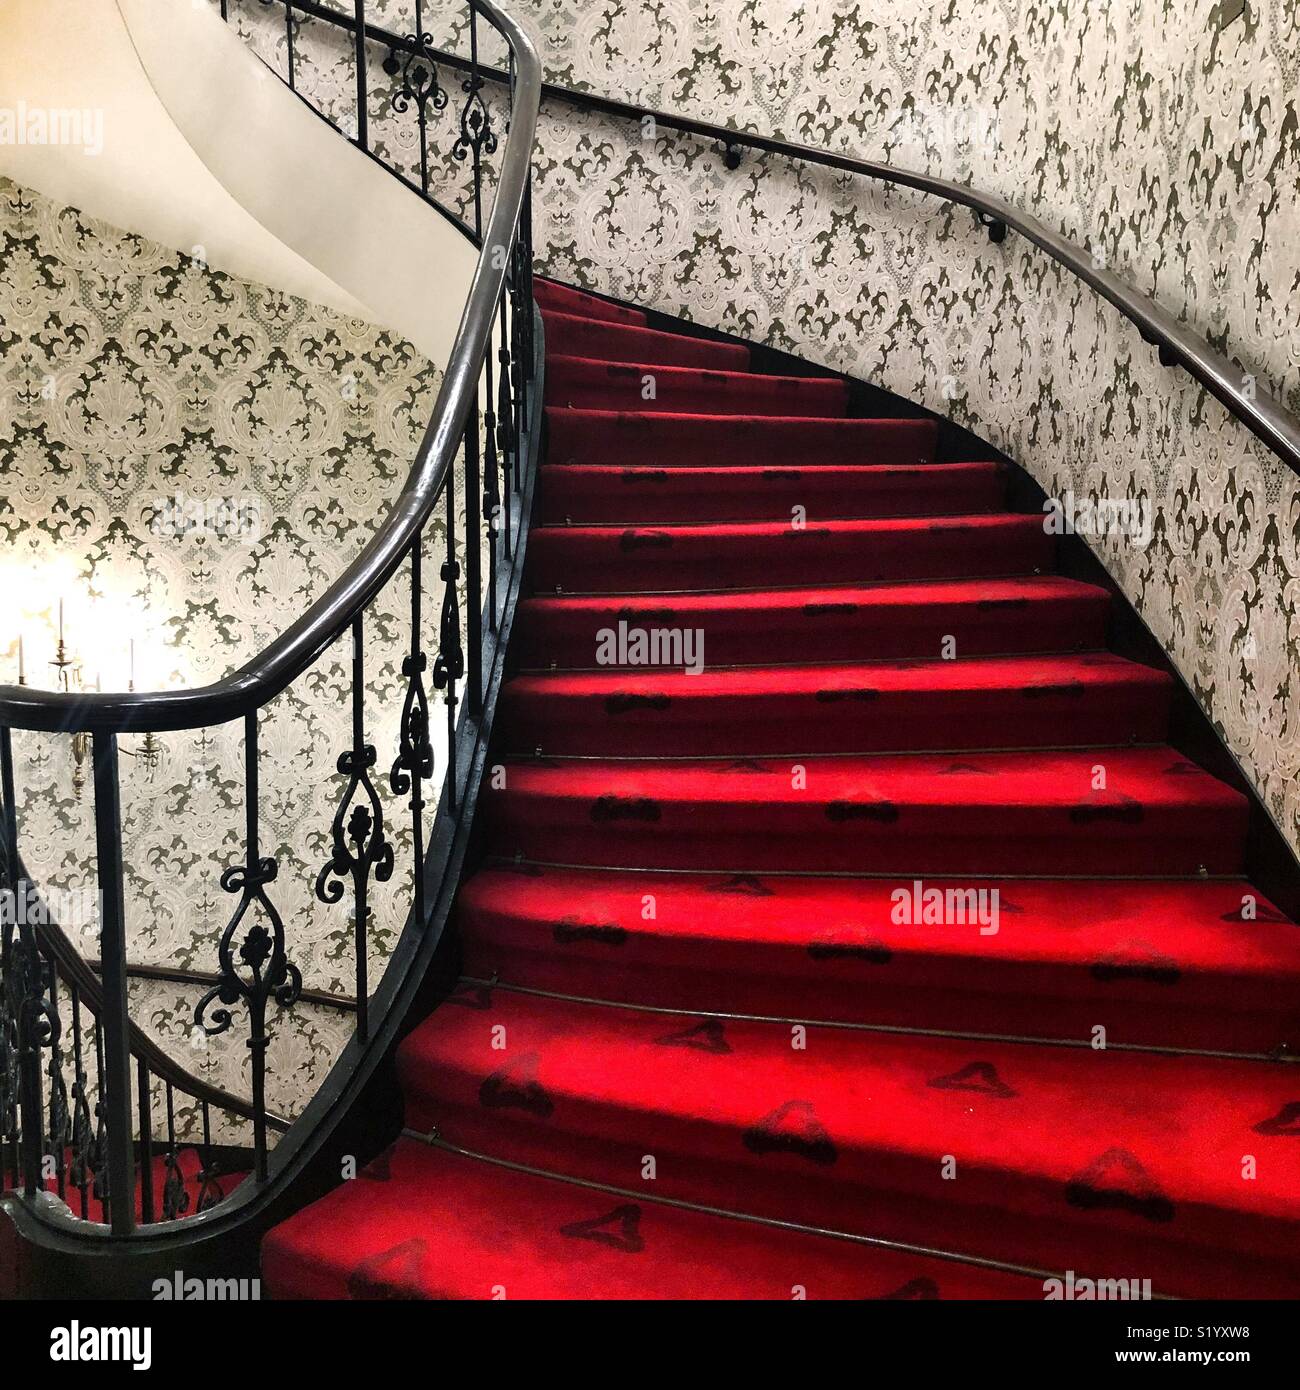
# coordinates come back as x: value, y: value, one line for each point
x: 882, y: 722
x: 637, y: 387
x: 671, y: 441
x: 814, y: 837
x: 627, y: 561
x: 650, y: 496
x: 568, y: 638
x: 570, y: 336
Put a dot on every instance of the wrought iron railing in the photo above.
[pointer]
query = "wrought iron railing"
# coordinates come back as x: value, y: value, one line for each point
x: 94, y: 1117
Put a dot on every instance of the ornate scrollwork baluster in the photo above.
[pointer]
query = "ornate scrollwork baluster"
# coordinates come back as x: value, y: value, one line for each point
x: 360, y: 846
x: 97, y: 1158
x: 59, y: 1135
x: 419, y: 88
x: 257, y: 969
x: 83, y: 1137
x: 210, y: 1193
x: 175, y: 1195
x: 414, y: 762
x: 476, y: 137
x: 31, y: 1021
x: 449, y: 664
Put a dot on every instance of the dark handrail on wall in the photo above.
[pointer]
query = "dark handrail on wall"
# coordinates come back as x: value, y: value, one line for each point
x: 477, y: 461
x: 1177, y: 344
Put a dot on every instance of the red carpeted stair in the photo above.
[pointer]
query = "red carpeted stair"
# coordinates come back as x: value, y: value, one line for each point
x: 892, y: 953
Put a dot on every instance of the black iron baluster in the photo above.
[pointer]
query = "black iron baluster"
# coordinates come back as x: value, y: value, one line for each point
x: 363, y: 115
x: 31, y: 1020
x: 507, y: 440
x: 145, y: 1098
x: 83, y: 1135
x: 59, y: 1134
x: 267, y: 972
x: 114, y: 1091
x: 360, y: 846
x: 419, y: 87
x: 449, y: 664
x: 491, y: 498
x: 210, y: 1193
x: 473, y: 568
x: 414, y: 761
x: 476, y: 137
x: 100, y: 1176
x: 175, y: 1198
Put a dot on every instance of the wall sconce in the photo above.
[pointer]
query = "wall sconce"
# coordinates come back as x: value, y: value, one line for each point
x: 68, y: 679
x: 150, y: 750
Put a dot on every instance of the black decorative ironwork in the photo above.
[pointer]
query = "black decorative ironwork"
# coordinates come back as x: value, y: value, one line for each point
x: 361, y: 849
x: 413, y: 765
x: 258, y: 970
x: 476, y: 133
x: 99, y: 1126
x: 209, y: 1189
x: 419, y: 88
x: 175, y: 1194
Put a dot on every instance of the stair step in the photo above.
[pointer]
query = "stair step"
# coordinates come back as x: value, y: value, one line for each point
x: 659, y: 440
x: 564, y: 299
x: 1018, y: 702
x: 970, y: 813
x: 885, y: 622
x: 588, y: 383
x: 573, y: 335
x: 1169, y: 964
x: 421, y: 1222
x: 605, y: 559
x: 1118, y: 1163
x: 609, y: 494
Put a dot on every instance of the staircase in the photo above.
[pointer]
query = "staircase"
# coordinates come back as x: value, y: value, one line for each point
x: 711, y: 1041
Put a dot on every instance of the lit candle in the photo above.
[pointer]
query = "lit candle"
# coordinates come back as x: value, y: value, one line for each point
x: 60, y: 620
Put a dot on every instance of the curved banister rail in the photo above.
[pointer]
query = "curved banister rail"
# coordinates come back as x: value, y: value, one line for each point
x: 287, y: 656
x: 475, y: 464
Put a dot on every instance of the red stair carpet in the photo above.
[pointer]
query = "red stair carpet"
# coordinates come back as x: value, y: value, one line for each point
x: 709, y: 1043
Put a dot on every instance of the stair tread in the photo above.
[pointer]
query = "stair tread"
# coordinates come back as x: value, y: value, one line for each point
x: 1012, y: 675
x: 631, y: 558
x: 973, y: 521
x: 1139, y: 939
x: 577, y: 335
x: 595, y: 382
x: 1057, y: 780
x: 654, y: 438
x: 552, y: 294
x: 838, y: 1131
x: 988, y: 813
x: 422, y: 1222
x: 987, y: 593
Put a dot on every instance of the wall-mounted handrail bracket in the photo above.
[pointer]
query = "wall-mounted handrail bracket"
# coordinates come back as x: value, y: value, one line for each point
x: 994, y: 226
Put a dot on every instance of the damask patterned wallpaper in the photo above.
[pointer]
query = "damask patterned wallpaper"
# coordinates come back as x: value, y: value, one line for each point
x: 1167, y: 144
x: 188, y: 461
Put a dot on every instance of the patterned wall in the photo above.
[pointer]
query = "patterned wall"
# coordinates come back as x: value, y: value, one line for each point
x: 1165, y: 143
x: 131, y: 374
